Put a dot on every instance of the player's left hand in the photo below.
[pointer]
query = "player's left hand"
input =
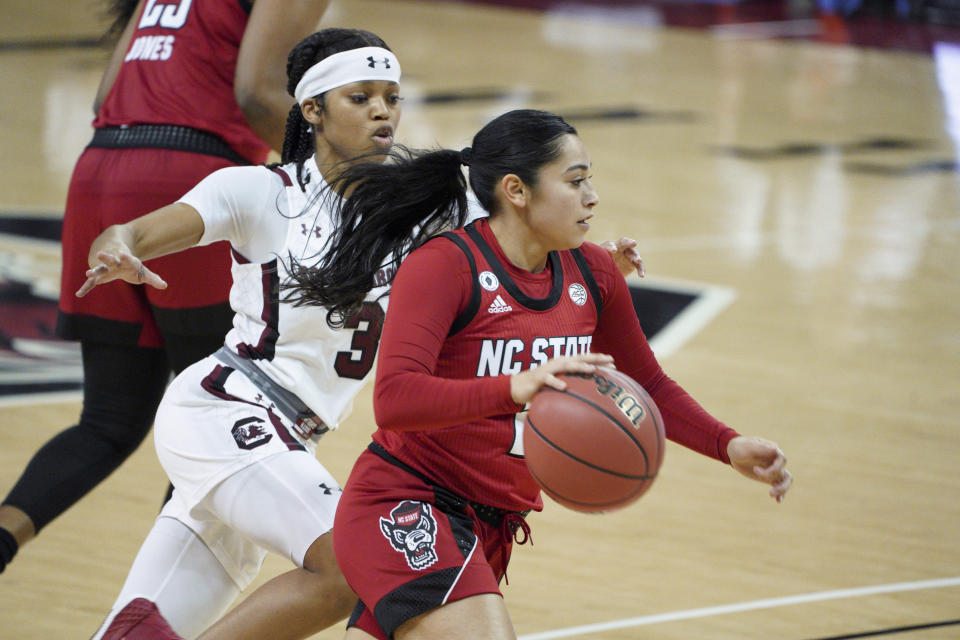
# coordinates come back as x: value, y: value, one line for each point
x: 761, y: 460
x: 624, y: 253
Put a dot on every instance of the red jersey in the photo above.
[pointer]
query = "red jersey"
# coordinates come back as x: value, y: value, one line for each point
x: 179, y: 69
x: 463, y: 318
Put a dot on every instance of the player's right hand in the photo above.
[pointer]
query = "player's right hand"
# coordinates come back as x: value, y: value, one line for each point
x: 119, y: 266
x: 526, y: 383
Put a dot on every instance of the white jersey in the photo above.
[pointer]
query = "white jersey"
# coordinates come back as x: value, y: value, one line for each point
x: 267, y: 218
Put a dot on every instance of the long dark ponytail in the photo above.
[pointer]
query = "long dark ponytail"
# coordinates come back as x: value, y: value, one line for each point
x: 298, y: 142
x: 392, y: 208
x: 395, y: 207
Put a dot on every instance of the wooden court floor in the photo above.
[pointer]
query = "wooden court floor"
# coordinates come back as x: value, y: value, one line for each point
x: 814, y: 185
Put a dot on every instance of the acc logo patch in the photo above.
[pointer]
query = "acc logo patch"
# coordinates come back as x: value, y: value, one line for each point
x: 488, y: 281
x: 412, y: 530
x: 578, y: 294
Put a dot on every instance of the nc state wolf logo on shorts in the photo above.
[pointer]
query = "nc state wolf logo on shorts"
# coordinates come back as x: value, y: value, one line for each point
x: 249, y: 433
x: 412, y: 530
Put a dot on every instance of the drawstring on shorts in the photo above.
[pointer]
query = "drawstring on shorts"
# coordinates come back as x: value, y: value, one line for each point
x: 511, y: 523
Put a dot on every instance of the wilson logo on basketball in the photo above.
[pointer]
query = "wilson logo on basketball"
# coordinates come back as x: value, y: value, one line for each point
x: 629, y: 405
x: 590, y: 446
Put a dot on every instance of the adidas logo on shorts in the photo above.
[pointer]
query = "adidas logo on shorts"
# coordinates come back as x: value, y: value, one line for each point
x: 499, y: 306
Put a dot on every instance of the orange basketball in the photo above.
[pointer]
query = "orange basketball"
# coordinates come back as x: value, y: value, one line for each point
x: 596, y: 446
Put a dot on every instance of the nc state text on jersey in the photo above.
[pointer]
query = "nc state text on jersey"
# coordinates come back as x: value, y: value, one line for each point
x: 506, y: 356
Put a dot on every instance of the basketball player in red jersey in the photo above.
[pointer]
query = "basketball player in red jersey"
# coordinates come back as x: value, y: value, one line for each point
x: 192, y: 86
x: 479, y: 320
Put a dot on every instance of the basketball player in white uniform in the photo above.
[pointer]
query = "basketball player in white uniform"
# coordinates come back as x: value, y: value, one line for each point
x: 235, y: 438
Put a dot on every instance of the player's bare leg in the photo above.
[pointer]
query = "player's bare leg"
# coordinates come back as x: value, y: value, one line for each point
x: 20, y: 526
x: 296, y: 604
x: 484, y: 615
x: 18, y: 523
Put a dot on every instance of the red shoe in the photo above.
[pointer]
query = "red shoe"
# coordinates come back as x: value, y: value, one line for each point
x: 140, y: 620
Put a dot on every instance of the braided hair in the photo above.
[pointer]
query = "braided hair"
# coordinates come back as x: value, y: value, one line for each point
x: 298, y: 141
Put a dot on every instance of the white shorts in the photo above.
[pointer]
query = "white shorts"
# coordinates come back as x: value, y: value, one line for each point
x: 244, y: 481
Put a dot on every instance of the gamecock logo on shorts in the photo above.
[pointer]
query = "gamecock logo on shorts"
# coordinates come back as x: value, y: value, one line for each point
x: 412, y: 530
x: 249, y: 433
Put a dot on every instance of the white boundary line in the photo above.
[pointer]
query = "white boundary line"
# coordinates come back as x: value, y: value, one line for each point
x: 743, y: 606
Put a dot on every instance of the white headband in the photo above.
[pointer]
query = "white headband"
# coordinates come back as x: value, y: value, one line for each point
x: 355, y: 65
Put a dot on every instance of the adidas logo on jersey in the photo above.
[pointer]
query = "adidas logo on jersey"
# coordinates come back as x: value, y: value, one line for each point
x: 499, y: 306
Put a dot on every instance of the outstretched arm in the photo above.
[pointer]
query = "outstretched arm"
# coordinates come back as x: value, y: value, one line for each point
x: 686, y: 421
x: 119, y: 252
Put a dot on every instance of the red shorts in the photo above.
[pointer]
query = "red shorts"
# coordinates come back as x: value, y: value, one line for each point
x: 113, y: 186
x: 406, y: 548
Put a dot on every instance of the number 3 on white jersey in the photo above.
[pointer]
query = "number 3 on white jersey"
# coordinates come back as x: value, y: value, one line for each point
x: 169, y: 15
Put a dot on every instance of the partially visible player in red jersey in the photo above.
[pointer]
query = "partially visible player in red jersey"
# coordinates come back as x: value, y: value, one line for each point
x: 191, y: 87
x: 479, y: 320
